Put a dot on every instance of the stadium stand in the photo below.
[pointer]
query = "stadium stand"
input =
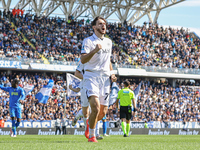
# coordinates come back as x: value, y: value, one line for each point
x: 157, y: 101
x: 55, y: 39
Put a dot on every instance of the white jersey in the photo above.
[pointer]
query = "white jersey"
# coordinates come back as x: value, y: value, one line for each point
x: 80, y: 85
x: 80, y: 67
x: 100, y: 62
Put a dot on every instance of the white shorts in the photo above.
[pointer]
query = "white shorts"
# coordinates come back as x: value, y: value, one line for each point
x: 84, y: 99
x: 98, y: 86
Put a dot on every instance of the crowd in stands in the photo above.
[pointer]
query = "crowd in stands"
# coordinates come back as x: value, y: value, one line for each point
x: 60, y: 39
x: 157, y: 100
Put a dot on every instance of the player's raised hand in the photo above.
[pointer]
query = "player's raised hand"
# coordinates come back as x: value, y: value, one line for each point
x: 98, y: 47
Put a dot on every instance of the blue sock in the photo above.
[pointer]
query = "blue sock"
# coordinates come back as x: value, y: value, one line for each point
x: 17, y: 125
x: 104, y: 127
x: 13, y: 127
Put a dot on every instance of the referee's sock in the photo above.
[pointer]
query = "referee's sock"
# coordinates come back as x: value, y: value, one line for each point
x: 127, y: 129
x: 123, y: 127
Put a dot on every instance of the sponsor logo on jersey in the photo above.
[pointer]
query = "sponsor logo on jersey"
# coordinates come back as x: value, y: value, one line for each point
x: 103, y: 51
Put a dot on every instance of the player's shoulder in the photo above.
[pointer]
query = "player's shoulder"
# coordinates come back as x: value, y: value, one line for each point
x: 108, y: 39
x: 120, y: 90
x: 88, y: 39
x: 20, y: 88
x: 132, y: 91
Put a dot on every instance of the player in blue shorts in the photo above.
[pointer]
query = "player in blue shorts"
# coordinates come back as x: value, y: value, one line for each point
x: 16, y: 96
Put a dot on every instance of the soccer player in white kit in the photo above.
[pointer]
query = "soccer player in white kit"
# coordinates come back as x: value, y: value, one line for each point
x: 95, y: 55
x: 84, y: 101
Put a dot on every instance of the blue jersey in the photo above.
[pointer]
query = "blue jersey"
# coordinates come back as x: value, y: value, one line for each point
x: 16, y: 94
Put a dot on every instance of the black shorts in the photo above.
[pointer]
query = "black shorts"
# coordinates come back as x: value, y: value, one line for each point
x: 125, y: 112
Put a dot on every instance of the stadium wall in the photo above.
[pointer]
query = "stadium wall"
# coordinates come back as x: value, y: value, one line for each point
x: 156, y: 72
x: 110, y: 124
x: 110, y: 131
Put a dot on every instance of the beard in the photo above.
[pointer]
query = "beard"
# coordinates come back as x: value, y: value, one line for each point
x: 99, y: 30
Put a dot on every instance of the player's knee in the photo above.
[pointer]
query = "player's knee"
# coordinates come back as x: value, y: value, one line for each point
x: 85, y: 114
x: 101, y: 115
x: 96, y: 110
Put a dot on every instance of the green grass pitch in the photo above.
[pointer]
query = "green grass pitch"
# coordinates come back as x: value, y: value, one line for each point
x: 73, y: 142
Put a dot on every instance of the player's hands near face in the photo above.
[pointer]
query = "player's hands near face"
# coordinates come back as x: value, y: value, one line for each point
x: 20, y: 101
x: 98, y: 47
x: 113, y: 78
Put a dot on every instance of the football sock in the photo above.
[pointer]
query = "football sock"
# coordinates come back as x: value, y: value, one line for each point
x: 123, y: 127
x: 92, y: 132
x: 13, y: 127
x: 127, y: 128
x: 84, y: 120
x: 104, y: 127
x: 79, y: 114
x: 17, y: 124
x: 97, y: 128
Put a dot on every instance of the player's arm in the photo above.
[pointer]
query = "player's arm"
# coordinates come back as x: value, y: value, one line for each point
x: 86, y: 52
x: 4, y: 88
x: 113, y: 77
x: 134, y: 104
x: 85, y: 57
x: 22, y: 95
x: 74, y: 89
x: 133, y: 101
x: 117, y: 103
x: 78, y: 74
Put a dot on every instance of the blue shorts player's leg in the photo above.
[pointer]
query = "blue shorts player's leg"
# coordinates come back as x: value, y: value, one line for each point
x: 104, y: 126
x: 19, y: 116
x: 12, y: 115
x: 13, y: 126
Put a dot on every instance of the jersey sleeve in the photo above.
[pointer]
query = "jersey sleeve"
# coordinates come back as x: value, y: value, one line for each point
x: 4, y: 88
x: 80, y: 67
x: 22, y: 94
x: 85, y: 46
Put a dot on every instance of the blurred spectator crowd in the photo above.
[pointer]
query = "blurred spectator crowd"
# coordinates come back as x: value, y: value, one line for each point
x: 60, y: 40
x: 157, y: 100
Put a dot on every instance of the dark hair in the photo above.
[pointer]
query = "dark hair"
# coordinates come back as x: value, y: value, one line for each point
x: 94, y: 22
x: 126, y: 83
x: 15, y: 83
